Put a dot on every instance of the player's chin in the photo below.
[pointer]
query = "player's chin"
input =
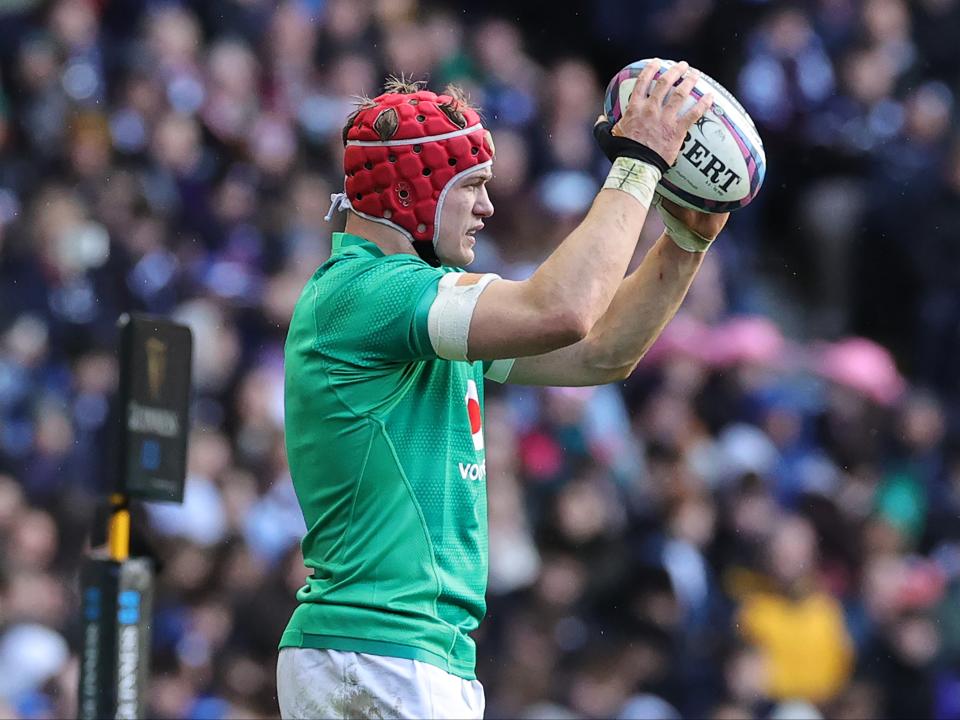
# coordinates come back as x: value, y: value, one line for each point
x: 467, y: 254
x: 463, y: 257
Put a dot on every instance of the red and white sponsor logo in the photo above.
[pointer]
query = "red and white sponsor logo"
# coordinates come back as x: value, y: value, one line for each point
x: 473, y: 413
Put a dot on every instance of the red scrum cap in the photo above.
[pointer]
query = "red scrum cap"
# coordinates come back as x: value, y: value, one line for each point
x: 404, y: 151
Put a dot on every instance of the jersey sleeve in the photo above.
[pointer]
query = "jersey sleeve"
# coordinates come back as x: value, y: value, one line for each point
x: 381, y: 314
x: 498, y: 370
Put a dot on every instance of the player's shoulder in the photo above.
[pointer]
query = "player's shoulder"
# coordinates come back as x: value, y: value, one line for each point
x: 374, y: 275
x: 355, y: 286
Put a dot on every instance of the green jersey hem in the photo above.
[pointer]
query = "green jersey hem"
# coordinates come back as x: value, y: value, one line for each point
x: 296, y: 638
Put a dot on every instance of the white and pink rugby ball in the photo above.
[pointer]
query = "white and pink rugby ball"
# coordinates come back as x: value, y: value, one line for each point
x: 721, y: 164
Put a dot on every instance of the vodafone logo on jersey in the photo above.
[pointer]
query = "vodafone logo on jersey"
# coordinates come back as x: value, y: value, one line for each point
x: 473, y: 413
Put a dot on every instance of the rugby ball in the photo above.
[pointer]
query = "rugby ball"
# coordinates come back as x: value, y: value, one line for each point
x: 721, y: 164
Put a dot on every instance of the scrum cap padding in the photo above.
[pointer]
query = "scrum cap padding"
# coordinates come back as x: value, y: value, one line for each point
x: 403, y: 152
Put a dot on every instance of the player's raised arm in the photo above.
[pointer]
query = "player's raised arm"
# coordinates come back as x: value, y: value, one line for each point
x: 644, y: 303
x: 560, y: 303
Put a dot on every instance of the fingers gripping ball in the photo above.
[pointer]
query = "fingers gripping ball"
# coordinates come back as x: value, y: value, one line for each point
x: 722, y: 163
x: 403, y: 150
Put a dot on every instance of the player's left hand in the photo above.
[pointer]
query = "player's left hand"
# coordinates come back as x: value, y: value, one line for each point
x: 707, y: 225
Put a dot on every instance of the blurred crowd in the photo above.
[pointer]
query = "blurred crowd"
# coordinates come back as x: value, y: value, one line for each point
x: 761, y: 522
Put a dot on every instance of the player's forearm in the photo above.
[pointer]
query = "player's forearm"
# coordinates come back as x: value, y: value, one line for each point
x: 642, y: 306
x: 583, y: 273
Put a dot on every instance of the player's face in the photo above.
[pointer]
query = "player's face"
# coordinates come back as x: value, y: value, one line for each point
x: 466, y: 205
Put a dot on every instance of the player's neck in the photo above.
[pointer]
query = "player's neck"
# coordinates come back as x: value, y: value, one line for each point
x: 390, y: 241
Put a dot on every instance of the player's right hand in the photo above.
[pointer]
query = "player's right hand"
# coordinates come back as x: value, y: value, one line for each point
x: 654, y: 120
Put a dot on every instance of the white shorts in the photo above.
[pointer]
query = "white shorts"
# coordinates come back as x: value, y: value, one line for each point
x: 333, y: 684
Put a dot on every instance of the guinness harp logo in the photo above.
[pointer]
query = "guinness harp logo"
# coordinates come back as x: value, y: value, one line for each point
x: 156, y: 366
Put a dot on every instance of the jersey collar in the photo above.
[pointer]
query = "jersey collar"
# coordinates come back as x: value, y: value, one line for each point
x: 342, y: 241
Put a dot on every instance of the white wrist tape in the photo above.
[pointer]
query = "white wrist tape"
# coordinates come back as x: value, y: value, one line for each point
x: 448, y: 321
x: 680, y: 234
x: 634, y: 177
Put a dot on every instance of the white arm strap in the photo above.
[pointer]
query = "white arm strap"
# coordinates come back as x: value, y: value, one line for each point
x: 449, y: 319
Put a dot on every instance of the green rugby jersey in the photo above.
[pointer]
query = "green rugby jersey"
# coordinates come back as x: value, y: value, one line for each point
x: 385, y: 447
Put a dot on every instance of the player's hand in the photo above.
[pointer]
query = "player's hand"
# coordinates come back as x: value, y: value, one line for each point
x: 707, y: 225
x: 654, y: 120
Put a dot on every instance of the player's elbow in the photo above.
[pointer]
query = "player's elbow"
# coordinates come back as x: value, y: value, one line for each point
x: 621, y: 373
x: 569, y: 326
x: 608, y: 364
x: 605, y: 375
